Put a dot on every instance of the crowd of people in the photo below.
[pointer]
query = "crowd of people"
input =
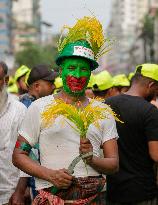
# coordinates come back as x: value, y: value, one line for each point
x: 116, y: 160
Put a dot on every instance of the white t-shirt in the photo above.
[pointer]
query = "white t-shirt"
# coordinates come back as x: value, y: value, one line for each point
x: 59, y: 143
x: 10, y: 120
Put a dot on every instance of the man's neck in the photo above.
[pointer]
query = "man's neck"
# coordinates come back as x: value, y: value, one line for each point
x: 74, y: 100
x: 33, y: 94
x: 135, y: 91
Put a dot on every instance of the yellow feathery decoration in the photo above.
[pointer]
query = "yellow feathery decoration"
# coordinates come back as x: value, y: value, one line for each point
x: 89, y: 29
x: 82, y: 118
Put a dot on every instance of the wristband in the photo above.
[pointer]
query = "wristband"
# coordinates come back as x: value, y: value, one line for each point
x: 23, y: 146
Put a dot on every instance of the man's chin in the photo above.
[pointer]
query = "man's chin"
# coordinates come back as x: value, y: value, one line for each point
x: 77, y: 92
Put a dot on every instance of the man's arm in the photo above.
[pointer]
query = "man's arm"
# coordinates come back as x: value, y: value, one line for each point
x: 107, y: 165
x: 59, y: 178
x: 153, y: 150
x: 151, y: 131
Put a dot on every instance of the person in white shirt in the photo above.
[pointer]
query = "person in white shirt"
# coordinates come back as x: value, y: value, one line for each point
x: 11, y: 115
x: 59, y: 144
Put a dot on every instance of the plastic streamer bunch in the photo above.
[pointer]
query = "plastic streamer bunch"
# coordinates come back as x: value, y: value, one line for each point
x: 81, y: 118
x: 89, y: 29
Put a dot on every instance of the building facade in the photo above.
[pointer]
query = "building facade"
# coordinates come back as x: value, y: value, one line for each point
x: 156, y: 39
x: 27, y: 23
x: 155, y: 6
x: 5, y: 28
x: 126, y: 27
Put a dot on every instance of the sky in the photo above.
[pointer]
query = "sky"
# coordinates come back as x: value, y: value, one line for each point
x: 61, y: 12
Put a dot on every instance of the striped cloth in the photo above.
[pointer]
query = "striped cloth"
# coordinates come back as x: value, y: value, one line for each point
x: 47, y: 198
x: 83, y: 191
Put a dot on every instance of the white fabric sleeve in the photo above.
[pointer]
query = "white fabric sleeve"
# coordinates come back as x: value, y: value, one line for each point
x: 23, y: 174
x: 109, y: 130
x: 22, y: 114
x: 30, y: 128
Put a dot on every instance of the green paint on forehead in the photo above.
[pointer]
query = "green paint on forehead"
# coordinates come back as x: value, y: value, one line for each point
x: 76, y: 67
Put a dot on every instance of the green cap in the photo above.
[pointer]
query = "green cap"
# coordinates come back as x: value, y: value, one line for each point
x: 102, y: 81
x: 23, y: 70
x: 91, y: 81
x: 130, y: 75
x: 120, y: 80
x: 11, y: 80
x: 12, y: 88
x: 79, y: 48
x: 148, y: 70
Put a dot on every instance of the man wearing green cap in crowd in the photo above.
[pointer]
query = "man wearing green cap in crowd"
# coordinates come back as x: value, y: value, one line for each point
x: 20, y: 75
x: 121, y: 83
x: 102, y: 85
x: 135, y: 183
x: 105, y: 86
x: 60, y: 144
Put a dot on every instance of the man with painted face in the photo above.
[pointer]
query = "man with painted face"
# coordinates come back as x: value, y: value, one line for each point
x: 75, y: 75
x: 60, y: 143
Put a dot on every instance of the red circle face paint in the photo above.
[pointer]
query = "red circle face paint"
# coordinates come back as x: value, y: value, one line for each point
x: 76, y: 84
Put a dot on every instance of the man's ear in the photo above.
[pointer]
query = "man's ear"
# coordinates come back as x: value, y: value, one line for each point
x: 36, y: 84
x: 6, y: 80
x: 151, y: 84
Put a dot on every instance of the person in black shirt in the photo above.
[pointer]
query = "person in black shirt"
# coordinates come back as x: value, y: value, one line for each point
x: 135, y: 183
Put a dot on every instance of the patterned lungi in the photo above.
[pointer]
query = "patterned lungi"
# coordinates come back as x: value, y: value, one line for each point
x: 83, y: 191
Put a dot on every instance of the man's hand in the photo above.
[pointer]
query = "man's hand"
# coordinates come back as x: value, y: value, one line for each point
x: 27, y: 196
x: 17, y: 198
x: 60, y: 178
x: 86, y: 147
x: 20, y: 198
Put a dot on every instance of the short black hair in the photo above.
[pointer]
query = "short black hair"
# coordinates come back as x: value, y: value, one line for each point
x: 4, y: 66
x: 101, y: 93
x: 138, y: 77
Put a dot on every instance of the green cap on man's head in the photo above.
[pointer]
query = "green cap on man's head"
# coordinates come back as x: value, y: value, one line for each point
x: 130, y: 75
x: 148, y: 70
x: 21, y: 71
x: 121, y: 80
x: 91, y: 81
x: 79, y: 48
x: 102, y: 81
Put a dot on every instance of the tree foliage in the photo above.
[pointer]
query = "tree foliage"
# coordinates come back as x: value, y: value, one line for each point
x: 148, y: 37
x: 148, y: 28
x: 33, y: 54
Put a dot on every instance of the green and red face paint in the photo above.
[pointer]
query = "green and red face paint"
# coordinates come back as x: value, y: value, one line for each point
x: 75, y: 75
